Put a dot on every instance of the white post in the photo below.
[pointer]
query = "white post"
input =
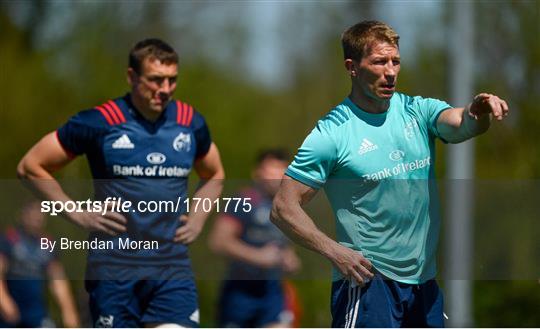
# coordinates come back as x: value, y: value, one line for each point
x: 459, y: 214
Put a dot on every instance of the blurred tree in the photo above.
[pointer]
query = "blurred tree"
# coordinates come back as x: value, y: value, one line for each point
x: 508, y: 64
x: 60, y: 57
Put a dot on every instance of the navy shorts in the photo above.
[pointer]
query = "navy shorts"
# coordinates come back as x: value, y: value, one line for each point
x: 136, y: 302
x: 386, y: 303
x: 252, y: 303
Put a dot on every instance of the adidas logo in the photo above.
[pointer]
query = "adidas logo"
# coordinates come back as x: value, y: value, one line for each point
x: 366, y: 147
x: 123, y: 143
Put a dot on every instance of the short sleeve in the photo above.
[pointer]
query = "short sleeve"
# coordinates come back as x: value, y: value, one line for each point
x: 430, y: 109
x: 202, y: 135
x: 238, y: 215
x: 316, y: 158
x: 80, y: 131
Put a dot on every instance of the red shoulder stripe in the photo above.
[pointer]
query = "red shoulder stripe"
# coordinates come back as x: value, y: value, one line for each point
x: 178, y: 112
x: 231, y: 220
x: 118, y: 111
x: 12, y: 235
x: 189, y: 116
x: 184, y: 113
x: 105, y: 114
x: 109, y: 108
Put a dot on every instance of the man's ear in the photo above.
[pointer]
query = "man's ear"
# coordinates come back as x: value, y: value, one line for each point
x: 349, y: 66
x: 131, y: 76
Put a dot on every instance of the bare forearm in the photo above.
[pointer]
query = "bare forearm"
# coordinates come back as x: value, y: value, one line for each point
x: 238, y: 250
x: 299, y: 227
x: 62, y: 294
x: 288, y: 215
x: 49, y: 189
x: 40, y: 181
x: 459, y: 125
x: 212, y: 175
x: 64, y: 298
x: 209, y: 190
x: 474, y: 125
x: 8, y: 308
x: 4, y: 293
x: 46, y: 189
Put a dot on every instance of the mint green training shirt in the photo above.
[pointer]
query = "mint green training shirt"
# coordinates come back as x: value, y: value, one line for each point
x: 377, y: 171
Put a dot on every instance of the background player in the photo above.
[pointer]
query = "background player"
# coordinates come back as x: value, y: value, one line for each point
x: 141, y: 146
x: 24, y: 268
x: 374, y: 156
x: 253, y: 294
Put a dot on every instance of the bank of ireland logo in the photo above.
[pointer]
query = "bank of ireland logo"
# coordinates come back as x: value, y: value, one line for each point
x: 410, y: 129
x: 396, y: 155
x: 182, y: 142
x: 156, y: 158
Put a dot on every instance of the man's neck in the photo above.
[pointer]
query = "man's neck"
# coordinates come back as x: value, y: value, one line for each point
x: 149, y: 115
x: 368, y: 104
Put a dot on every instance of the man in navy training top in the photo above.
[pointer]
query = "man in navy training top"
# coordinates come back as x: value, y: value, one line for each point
x: 253, y: 293
x: 24, y: 266
x: 140, y: 147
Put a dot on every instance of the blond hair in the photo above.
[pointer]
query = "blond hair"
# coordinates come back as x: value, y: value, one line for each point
x: 357, y: 38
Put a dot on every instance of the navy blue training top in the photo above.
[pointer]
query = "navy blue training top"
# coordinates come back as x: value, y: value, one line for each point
x: 26, y: 271
x: 257, y: 231
x: 138, y: 160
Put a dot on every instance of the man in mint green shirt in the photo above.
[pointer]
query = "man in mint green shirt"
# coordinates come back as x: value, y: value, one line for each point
x: 374, y: 156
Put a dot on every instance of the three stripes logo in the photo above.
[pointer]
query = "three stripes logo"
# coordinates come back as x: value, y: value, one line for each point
x: 184, y: 114
x: 353, y: 303
x: 123, y: 143
x: 366, y: 147
x: 112, y: 113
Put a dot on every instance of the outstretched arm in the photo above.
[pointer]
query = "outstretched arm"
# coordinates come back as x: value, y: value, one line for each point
x: 288, y: 215
x: 459, y: 124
